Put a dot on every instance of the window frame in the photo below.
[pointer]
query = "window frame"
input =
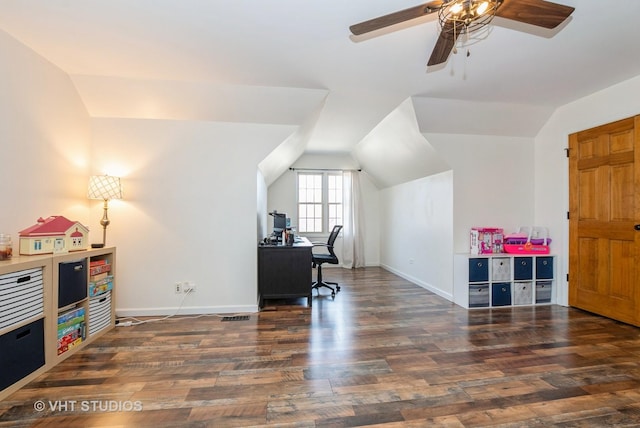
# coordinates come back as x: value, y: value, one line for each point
x: 326, y: 221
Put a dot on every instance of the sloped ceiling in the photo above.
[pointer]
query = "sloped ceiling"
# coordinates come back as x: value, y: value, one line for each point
x: 397, y: 151
x: 295, y: 63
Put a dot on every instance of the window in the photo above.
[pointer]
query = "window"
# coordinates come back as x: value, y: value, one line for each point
x: 319, y: 201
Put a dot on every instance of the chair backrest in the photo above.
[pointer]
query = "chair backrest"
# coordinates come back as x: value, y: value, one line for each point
x: 332, y: 238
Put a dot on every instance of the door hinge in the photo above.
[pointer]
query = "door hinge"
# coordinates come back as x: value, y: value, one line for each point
x: 567, y: 277
x: 568, y: 216
x: 567, y: 151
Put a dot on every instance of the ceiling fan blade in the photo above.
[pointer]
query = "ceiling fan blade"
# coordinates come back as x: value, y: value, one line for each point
x: 444, y: 45
x: 535, y: 12
x: 395, y: 18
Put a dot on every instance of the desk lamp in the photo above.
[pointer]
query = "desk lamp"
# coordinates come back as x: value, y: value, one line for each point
x: 104, y: 187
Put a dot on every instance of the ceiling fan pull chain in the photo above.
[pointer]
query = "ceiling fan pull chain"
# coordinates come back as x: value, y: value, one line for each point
x: 455, y: 49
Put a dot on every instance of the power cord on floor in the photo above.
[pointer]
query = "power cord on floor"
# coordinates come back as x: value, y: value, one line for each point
x: 130, y: 321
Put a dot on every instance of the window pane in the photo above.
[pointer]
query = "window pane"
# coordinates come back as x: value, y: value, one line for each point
x: 334, y: 188
x: 335, y: 214
x: 302, y: 225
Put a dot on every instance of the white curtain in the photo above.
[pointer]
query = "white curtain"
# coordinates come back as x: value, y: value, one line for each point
x: 352, y: 237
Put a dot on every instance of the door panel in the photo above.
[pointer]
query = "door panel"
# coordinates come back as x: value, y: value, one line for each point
x: 604, y: 180
x: 622, y: 193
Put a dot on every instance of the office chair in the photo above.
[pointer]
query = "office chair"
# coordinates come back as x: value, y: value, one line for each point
x: 318, y: 259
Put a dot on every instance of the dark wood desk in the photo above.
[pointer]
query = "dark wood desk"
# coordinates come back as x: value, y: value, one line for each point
x: 284, y: 271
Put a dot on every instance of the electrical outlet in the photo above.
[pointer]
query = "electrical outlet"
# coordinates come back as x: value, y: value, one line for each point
x: 189, y: 287
x: 178, y: 287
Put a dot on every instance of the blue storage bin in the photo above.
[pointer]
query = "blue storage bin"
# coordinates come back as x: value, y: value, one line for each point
x: 522, y: 268
x: 478, y: 270
x: 22, y: 352
x: 501, y: 294
x: 544, y: 267
x: 72, y: 282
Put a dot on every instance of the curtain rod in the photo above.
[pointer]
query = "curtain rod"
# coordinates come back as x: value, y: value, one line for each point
x: 323, y: 169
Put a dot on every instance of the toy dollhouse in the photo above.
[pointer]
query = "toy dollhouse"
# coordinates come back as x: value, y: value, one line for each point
x: 55, y: 234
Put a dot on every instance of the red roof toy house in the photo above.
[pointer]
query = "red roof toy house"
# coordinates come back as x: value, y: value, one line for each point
x: 55, y: 234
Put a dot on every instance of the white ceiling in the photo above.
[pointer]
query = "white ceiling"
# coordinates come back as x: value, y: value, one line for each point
x: 278, y: 61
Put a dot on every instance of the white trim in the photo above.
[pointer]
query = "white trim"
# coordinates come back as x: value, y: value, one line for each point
x: 190, y: 310
x: 422, y: 284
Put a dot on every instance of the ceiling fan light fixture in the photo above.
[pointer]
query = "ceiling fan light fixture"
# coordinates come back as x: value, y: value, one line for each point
x: 456, y: 8
x: 482, y: 8
x: 466, y: 16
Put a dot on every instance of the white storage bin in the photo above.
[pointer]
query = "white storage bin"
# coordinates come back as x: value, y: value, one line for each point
x: 501, y: 269
x: 21, y: 296
x: 99, y: 312
x: 523, y: 293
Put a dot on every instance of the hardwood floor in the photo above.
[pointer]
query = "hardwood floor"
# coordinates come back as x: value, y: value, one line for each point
x: 385, y: 352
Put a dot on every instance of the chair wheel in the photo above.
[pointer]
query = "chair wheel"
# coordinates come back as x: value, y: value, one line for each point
x: 333, y: 294
x: 337, y: 288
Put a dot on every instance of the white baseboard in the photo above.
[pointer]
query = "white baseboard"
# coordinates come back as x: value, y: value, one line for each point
x: 190, y: 310
x: 245, y: 309
x: 416, y: 281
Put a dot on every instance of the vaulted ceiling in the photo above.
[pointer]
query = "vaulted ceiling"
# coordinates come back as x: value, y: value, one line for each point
x: 296, y: 63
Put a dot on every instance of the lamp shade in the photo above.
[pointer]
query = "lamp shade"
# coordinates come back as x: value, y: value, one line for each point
x: 104, y: 187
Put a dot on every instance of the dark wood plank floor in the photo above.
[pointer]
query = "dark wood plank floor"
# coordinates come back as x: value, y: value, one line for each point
x: 385, y: 352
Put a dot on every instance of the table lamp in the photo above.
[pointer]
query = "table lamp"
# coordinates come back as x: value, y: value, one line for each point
x: 104, y: 187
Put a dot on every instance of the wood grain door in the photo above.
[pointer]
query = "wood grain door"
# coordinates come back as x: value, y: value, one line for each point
x: 604, y: 209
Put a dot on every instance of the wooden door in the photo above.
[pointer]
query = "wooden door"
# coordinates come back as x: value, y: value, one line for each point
x: 604, y: 208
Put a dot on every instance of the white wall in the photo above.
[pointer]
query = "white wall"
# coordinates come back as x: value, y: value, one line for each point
x: 493, y: 182
x: 417, y: 232
x: 282, y: 197
x: 551, y: 166
x: 428, y: 220
x: 261, y: 206
x: 44, y: 141
x: 188, y: 213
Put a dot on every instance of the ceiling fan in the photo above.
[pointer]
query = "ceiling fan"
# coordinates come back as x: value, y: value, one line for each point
x: 460, y: 17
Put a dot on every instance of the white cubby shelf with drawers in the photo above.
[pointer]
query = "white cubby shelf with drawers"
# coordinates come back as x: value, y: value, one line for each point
x: 499, y: 280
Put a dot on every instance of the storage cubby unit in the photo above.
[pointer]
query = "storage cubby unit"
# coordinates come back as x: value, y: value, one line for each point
x: 80, y: 279
x: 51, y: 306
x: 498, y: 280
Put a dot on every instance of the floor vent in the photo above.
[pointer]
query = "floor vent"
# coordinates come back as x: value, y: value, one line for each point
x: 236, y: 318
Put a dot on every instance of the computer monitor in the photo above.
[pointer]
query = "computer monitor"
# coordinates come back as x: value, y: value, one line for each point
x: 279, y: 222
